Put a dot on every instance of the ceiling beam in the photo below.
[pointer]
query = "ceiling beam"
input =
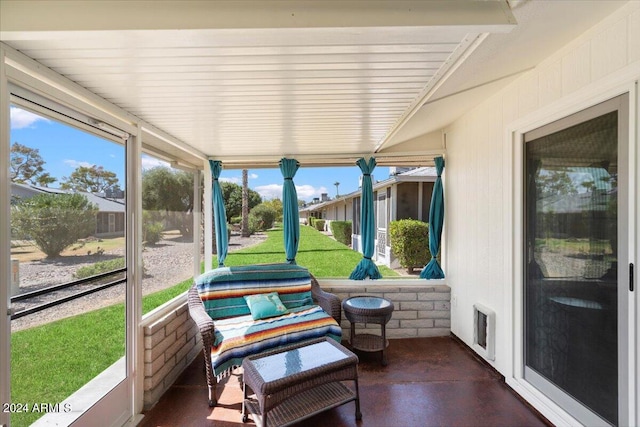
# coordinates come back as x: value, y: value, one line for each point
x: 101, y: 15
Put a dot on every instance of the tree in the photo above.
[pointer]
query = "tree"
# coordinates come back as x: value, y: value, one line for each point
x: 337, y: 184
x: 554, y: 183
x: 92, y: 179
x: 232, y: 194
x: 245, y: 204
x: 54, y: 221
x: 27, y: 166
x: 170, y: 194
x: 276, y: 205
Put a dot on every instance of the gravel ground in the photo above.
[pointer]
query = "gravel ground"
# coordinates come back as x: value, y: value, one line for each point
x: 166, y: 264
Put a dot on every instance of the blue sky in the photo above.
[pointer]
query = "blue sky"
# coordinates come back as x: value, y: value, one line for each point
x: 64, y: 148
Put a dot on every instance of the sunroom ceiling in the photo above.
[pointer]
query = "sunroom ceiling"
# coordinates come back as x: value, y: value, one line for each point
x: 250, y: 82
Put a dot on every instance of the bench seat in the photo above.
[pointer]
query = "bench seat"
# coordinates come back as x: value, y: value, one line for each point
x: 229, y: 332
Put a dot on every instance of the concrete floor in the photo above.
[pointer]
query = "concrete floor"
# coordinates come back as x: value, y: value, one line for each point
x: 428, y: 382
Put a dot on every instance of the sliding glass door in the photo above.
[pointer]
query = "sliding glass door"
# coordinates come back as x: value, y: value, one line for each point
x: 576, y: 282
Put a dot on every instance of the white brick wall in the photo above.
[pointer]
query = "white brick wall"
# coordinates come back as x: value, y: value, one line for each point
x: 419, y: 311
x: 171, y: 343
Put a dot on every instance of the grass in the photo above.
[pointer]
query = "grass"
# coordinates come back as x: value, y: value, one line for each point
x: 50, y: 362
x: 323, y: 256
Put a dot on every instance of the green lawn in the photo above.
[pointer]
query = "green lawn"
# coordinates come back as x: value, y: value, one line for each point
x: 50, y: 362
x: 323, y: 256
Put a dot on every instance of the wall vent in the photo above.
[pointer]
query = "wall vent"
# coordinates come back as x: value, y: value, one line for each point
x: 484, y: 328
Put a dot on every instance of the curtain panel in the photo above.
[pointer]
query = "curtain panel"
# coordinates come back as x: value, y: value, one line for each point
x: 290, y: 215
x: 219, y: 214
x: 436, y: 218
x: 366, y: 267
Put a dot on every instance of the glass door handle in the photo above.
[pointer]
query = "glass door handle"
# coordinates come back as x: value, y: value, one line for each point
x: 631, y: 277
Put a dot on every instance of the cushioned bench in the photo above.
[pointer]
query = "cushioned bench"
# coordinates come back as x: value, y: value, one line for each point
x: 242, y: 311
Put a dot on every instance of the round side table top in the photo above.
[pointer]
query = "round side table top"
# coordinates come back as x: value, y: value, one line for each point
x: 367, y: 306
x: 365, y: 302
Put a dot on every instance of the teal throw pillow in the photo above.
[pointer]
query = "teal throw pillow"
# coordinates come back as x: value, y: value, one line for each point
x: 263, y: 306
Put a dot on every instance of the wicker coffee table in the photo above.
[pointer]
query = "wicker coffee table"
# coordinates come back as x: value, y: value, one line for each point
x: 298, y: 381
x: 369, y: 309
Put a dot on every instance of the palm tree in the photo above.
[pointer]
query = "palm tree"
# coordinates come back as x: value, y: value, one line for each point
x: 337, y: 184
x: 245, y: 204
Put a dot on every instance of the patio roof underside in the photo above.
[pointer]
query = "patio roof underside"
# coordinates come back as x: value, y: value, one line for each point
x: 249, y: 82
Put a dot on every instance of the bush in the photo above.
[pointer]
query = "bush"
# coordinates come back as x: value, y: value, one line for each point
x: 341, y: 231
x: 54, y: 221
x: 103, y: 267
x: 319, y: 224
x: 235, y: 220
x: 410, y: 242
x: 261, y: 218
x: 99, y: 268
x: 151, y: 230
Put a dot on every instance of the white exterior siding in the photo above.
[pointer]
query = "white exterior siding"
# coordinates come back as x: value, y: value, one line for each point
x: 481, y: 195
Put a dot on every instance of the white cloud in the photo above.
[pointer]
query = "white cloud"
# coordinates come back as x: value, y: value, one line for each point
x: 75, y: 164
x: 274, y: 191
x: 23, y: 119
x: 149, y: 162
x: 236, y: 179
x: 233, y: 180
x: 308, y: 192
x: 269, y: 191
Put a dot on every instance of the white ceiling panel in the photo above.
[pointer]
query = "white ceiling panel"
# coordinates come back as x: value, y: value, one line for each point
x: 251, y: 81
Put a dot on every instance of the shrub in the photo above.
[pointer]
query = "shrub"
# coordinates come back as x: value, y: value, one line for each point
x: 319, y: 224
x: 261, y: 217
x: 103, y: 267
x: 341, y: 231
x: 54, y: 221
x: 151, y: 230
x: 276, y: 204
x: 99, y: 268
x: 410, y: 242
x: 235, y: 220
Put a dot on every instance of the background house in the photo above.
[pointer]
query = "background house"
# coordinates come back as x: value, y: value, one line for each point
x: 110, y: 217
x: 406, y: 194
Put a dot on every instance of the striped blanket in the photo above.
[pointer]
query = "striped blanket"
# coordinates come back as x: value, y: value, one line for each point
x: 222, y: 290
x: 239, y: 337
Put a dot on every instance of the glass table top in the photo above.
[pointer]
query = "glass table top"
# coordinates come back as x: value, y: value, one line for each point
x: 367, y: 302
x: 281, y: 365
x: 577, y: 302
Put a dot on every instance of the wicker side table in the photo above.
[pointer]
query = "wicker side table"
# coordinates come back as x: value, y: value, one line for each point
x: 368, y: 309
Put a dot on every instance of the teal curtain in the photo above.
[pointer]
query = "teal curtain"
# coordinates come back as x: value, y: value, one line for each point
x: 436, y: 219
x: 291, y: 222
x: 366, y: 267
x: 219, y: 214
